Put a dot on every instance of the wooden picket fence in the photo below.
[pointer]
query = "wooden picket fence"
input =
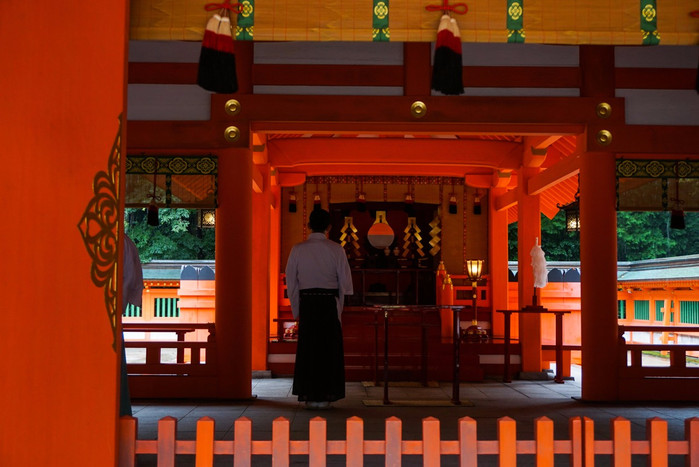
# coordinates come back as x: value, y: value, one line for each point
x: 581, y: 447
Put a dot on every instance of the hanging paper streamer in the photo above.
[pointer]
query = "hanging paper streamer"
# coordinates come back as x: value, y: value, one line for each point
x: 246, y: 21
x: 217, y: 72
x: 447, y: 70
x: 380, y: 31
x: 515, y: 21
x: 649, y: 22
x: 539, y: 265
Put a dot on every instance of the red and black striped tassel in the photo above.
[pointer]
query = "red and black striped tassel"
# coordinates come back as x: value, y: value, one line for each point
x: 217, y: 71
x: 447, y: 70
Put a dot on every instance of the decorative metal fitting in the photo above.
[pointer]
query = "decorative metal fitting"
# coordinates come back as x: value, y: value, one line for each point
x: 233, y: 107
x: 232, y: 134
x: 604, y: 110
x: 418, y: 109
x: 604, y: 137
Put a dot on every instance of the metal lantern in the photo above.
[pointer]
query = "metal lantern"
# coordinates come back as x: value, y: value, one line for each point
x: 572, y: 211
x: 207, y: 218
x: 474, y: 269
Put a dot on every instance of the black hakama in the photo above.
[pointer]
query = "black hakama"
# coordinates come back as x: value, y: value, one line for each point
x: 319, y: 372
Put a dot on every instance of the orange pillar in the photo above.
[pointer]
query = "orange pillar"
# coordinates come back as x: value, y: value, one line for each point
x: 598, y: 257
x: 233, y: 274
x: 260, y: 267
x: 498, y: 256
x: 63, y: 91
x: 275, y: 220
x: 529, y: 229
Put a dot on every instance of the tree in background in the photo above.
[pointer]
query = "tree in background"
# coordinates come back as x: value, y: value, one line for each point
x: 640, y: 235
x: 177, y: 237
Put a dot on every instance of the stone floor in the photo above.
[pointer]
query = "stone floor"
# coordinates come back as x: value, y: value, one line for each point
x: 486, y: 402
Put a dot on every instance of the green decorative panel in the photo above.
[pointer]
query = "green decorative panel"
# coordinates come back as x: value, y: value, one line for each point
x: 515, y: 21
x: 380, y: 30
x: 641, y: 310
x: 689, y: 312
x: 246, y: 21
x: 621, y: 309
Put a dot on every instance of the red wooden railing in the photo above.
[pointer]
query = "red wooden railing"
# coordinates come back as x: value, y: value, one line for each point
x: 581, y: 447
x: 155, y: 378
x: 677, y: 353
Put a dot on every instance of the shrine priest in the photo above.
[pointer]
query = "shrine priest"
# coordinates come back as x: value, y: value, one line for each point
x: 318, y: 277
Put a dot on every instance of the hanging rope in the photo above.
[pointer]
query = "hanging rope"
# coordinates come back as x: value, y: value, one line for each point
x: 226, y: 5
x: 458, y: 8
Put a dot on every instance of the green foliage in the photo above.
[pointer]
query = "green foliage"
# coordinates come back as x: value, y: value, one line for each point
x: 647, y: 235
x: 558, y: 244
x: 640, y: 235
x: 177, y: 237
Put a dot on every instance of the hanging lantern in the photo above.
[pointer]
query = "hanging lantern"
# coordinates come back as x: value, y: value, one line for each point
x: 207, y: 218
x: 572, y: 212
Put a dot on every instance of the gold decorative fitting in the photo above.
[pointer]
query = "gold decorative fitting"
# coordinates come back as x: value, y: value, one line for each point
x: 232, y: 134
x: 233, y: 107
x: 604, y: 137
x: 418, y: 109
x: 604, y: 110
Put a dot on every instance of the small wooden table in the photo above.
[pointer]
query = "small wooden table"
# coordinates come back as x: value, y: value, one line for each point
x: 387, y: 310
x: 559, y: 339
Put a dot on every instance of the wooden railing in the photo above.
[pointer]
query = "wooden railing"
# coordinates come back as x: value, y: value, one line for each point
x: 194, y: 359
x: 677, y: 353
x: 581, y: 447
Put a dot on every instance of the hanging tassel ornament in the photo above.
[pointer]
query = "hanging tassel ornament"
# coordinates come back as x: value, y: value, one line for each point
x: 361, y: 197
x: 452, y: 199
x: 292, y: 201
x: 477, y: 204
x: 409, y: 204
x: 316, y: 201
x: 153, y: 219
x: 452, y: 204
x: 447, y: 69
x: 217, y: 71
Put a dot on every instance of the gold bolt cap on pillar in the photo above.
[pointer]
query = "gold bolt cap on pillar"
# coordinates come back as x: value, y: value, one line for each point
x: 232, y: 107
x: 232, y: 134
x: 418, y: 109
x: 604, y: 137
x: 604, y: 110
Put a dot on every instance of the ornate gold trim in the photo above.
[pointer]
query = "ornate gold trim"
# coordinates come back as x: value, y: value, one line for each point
x: 99, y: 225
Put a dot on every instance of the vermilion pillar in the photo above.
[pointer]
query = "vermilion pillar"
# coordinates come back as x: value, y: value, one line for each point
x: 497, y: 259
x: 63, y: 149
x: 261, y: 198
x: 598, y: 258
x: 233, y: 274
x: 528, y: 230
